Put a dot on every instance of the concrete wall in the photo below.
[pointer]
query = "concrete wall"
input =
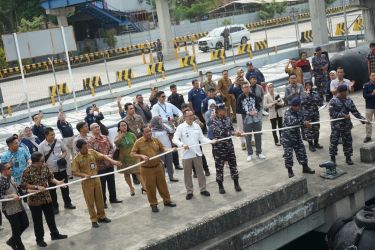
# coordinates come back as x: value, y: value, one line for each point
x: 128, y: 5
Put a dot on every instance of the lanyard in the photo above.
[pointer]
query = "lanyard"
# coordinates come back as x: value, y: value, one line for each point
x: 164, y: 109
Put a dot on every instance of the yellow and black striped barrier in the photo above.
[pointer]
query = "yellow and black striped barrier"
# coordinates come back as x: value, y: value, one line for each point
x: 125, y: 75
x: 340, y: 29
x: 143, y: 51
x: 306, y: 36
x: 260, y: 45
x: 158, y: 67
x: 61, y: 89
x: 218, y: 54
x: 176, y: 47
x: 358, y: 24
x: 245, y: 48
x: 188, y: 61
x: 91, y: 83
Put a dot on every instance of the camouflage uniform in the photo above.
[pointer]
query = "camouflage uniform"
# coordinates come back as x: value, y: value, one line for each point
x: 338, y: 108
x: 310, y: 108
x: 291, y: 138
x: 224, y: 150
x: 321, y: 77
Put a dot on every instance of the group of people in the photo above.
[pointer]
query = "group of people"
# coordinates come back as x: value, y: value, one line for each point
x: 36, y: 160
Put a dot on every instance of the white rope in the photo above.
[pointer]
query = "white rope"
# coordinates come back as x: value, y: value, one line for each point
x: 169, y: 151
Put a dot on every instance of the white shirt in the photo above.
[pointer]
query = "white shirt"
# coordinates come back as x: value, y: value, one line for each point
x: 163, y: 137
x: 189, y: 135
x: 335, y: 83
x: 165, y: 110
x: 44, y: 148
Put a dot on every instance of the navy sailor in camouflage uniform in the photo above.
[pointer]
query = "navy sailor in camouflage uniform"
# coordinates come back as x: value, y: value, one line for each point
x: 339, y: 107
x: 311, y: 101
x: 224, y: 150
x: 291, y: 138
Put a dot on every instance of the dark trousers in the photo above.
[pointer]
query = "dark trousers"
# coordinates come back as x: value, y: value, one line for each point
x: 176, y: 159
x: 110, y: 181
x: 276, y: 122
x: 36, y: 213
x: 60, y: 176
x: 18, y: 222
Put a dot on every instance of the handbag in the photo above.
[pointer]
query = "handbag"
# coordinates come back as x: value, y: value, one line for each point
x: 116, y: 155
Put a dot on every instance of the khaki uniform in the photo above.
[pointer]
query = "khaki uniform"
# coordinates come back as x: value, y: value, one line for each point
x: 92, y: 189
x: 223, y: 87
x: 152, y: 171
x: 297, y: 71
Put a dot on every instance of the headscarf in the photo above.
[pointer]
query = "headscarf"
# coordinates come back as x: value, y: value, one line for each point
x: 155, y: 124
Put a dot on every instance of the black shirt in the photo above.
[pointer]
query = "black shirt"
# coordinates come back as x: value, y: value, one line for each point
x: 177, y: 100
x: 39, y: 131
x: 65, y: 128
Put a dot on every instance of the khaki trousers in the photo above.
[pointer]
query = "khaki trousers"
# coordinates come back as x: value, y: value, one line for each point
x: 92, y: 191
x: 188, y: 166
x: 240, y: 126
x: 154, y: 178
x: 370, y: 114
x: 231, y: 104
x: 70, y: 153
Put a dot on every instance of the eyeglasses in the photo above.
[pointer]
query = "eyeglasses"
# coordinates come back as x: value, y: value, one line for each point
x: 8, y: 168
x: 163, y: 96
x: 96, y: 127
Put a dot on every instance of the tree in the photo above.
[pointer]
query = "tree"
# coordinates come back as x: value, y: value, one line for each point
x: 109, y: 38
x: 280, y: 7
x: 3, y: 62
x: 35, y: 23
x: 267, y: 10
x: 329, y: 2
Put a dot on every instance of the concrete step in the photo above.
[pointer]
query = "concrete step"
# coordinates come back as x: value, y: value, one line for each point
x: 200, y: 219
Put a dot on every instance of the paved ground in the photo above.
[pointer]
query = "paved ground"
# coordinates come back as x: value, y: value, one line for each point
x: 37, y: 86
x: 134, y: 224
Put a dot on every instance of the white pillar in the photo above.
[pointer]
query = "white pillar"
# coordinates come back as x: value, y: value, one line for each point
x: 61, y: 14
x: 368, y: 19
x: 164, y: 21
x: 318, y: 22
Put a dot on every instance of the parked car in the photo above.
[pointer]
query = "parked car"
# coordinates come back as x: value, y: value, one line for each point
x: 215, y: 38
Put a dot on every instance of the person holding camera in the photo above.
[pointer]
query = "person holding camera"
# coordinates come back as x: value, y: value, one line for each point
x: 274, y: 103
x: 54, y: 152
x: 94, y: 115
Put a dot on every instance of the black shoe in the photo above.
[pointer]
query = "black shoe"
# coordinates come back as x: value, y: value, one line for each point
x: 41, y: 244
x: 95, y: 224
x: 307, y: 170
x: 205, y: 193
x: 311, y: 147
x: 221, y: 188
x: 135, y: 180
x: 155, y: 209
x: 104, y: 220
x: 56, y: 211
x: 237, y: 185
x: 367, y: 139
x: 207, y: 173
x: 173, y: 180
x: 69, y: 206
x: 115, y: 201
x: 195, y: 175
x: 189, y: 196
x: 143, y: 190
x: 349, y: 161
x: 333, y: 159
x: 170, y: 204
x: 178, y: 167
x: 105, y: 206
x: 290, y: 172
x: 317, y: 145
x: 59, y: 237
x: 12, y: 244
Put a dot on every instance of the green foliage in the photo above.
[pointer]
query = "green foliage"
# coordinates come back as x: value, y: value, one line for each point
x: 151, y: 3
x: 226, y: 22
x: 109, y: 38
x: 268, y: 10
x: 329, y: 2
x: 35, y: 23
x: 3, y: 62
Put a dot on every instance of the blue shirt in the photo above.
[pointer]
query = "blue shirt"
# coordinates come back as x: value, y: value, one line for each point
x: 257, y: 73
x: 39, y: 131
x: 196, y: 96
x: 65, y: 128
x: 368, y: 88
x: 19, y: 159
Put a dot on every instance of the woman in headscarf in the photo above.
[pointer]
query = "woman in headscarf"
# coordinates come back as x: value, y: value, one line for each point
x: 30, y: 140
x: 124, y: 141
x: 161, y: 132
x: 274, y: 103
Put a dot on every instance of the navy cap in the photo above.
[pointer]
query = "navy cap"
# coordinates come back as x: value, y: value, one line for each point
x: 342, y: 88
x: 318, y: 49
x: 295, y: 101
x: 220, y: 106
x: 249, y: 63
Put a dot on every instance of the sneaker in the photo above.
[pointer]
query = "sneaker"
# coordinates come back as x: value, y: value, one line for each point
x: 367, y: 139
x: 261, y: 156
x: 249, y: 158
x: 265, y: 113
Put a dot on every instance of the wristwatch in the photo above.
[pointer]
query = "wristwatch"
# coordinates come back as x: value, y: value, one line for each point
x: 36, y: 187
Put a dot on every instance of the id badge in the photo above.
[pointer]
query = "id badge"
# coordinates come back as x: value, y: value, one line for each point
x: 92, y: 166
x: 138, y: 130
